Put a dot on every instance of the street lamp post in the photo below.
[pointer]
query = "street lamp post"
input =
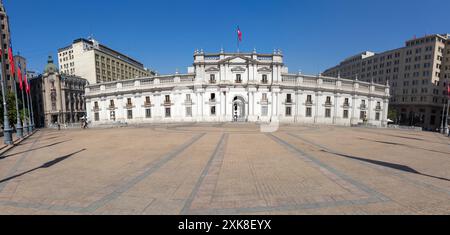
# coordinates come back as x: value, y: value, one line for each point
x: 19, y: 130
x: 7, y: 131
x: 32, y: 113
x: 25, y: 124
x: 30, y: 127
x: 446, y: 117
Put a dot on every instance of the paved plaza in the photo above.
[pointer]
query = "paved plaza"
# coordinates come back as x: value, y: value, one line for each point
x: 227, y: 169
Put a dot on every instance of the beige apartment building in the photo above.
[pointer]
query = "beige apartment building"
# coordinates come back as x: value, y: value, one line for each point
x: 97, y: 63
x: 417, y: 73
x: 5, y: 37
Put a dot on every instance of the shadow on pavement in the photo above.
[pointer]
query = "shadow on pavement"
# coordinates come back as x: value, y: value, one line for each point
x: 29, y: 150
x: 386, y: 164
x: 45, y: 165
x: 405, y: 145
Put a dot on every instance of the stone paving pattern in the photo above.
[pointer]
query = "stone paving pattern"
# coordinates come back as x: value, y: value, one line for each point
x: 227, y: 169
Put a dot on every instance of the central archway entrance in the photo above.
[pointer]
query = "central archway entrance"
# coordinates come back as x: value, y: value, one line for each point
x: 239, y: 114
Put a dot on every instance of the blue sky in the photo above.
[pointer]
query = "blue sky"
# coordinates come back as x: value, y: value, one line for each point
x: 313, y: 34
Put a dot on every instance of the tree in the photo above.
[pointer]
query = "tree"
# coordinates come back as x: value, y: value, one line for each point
x: 392, y: 114
x: 11, y: 104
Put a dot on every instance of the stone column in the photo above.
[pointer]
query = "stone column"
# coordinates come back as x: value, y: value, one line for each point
x: 384, y: 123
x: 317, y: 111
x: 370, y: 112
x: 337, y: 116
x: 355, y: 118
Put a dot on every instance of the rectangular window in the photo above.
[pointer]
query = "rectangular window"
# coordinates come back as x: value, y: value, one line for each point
x: 264, y: 96
x: 147, y: 100
x: 188, y: 97
x: 96, y: 117
x: 289, y: 98
x: 377, y: 116
x: 213, y: 111
x: 264, y: 111
x: 345, y: 114
x: 362, y: 115
x: 264, y: 79
x: 167, y: 99
x: 346, y: 103
x: 188, y: 111
x: 308, y: 112
x: 328, y: 113
x: 288, y: 111
x: 168, y: 113
x: 148, y: 113
x: 238, y: 78
x: 95, y: 105
x: 111, y: 103
x: 212, y: 78
x: 129, y: 101
x: 309, y: 99
x: 130, y: 114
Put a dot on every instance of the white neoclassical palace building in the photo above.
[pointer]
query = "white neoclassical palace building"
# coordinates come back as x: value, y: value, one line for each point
x: 244, y: 87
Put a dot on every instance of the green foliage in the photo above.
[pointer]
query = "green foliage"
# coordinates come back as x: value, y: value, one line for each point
x: 392, y: 114
x: 11, y: 104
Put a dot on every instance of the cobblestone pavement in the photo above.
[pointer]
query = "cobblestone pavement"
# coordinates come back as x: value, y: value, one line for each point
x: 227, y: 169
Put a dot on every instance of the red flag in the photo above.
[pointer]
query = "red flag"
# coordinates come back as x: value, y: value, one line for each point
x: 11, y: 59
x: 448, y: 90
x: 27, y: 84
x: 239, y: 32
x: 19, y: 74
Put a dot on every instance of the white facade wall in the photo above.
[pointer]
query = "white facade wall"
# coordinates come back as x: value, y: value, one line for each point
x: 246, y: 97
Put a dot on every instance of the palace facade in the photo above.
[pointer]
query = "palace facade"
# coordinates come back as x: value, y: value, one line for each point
x: 242, y: 87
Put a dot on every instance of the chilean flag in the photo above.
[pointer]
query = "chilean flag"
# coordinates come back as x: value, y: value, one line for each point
x: 239, y: 32
x: 19, y: 74
x: 448, y: 91
x: 27, y: 84
x: 11, y: 59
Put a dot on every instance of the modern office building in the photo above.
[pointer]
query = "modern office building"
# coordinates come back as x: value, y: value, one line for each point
x: 417, y: 73
x: 97, y: 63
x: 240, y: 87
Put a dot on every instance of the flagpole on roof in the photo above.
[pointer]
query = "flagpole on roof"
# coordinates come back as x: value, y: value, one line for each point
x: 238, y: 40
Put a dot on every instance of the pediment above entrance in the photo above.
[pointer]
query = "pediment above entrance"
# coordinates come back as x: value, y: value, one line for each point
x: 239, y: 59
x: 265, y: 69
x: 238, y: 69
x: 212, y: 69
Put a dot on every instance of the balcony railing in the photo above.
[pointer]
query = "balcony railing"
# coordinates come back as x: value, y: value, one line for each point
x: 129, y: 105
x: 378, y: 108
x: 264, y: 81
x: 212, y: 81
x: 112, y: 107
x: 309, y: 103
x: 346, y: 105
x: 328, y: 104
x: 289, y: 101
x: 238, y: 81
x: 212, y: 100
x: 147, y: 104
x: 167, y: 102
x: 96, y: 109
x: 363, y: 106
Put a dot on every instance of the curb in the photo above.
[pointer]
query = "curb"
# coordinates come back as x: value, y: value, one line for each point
x: 15, y: 143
